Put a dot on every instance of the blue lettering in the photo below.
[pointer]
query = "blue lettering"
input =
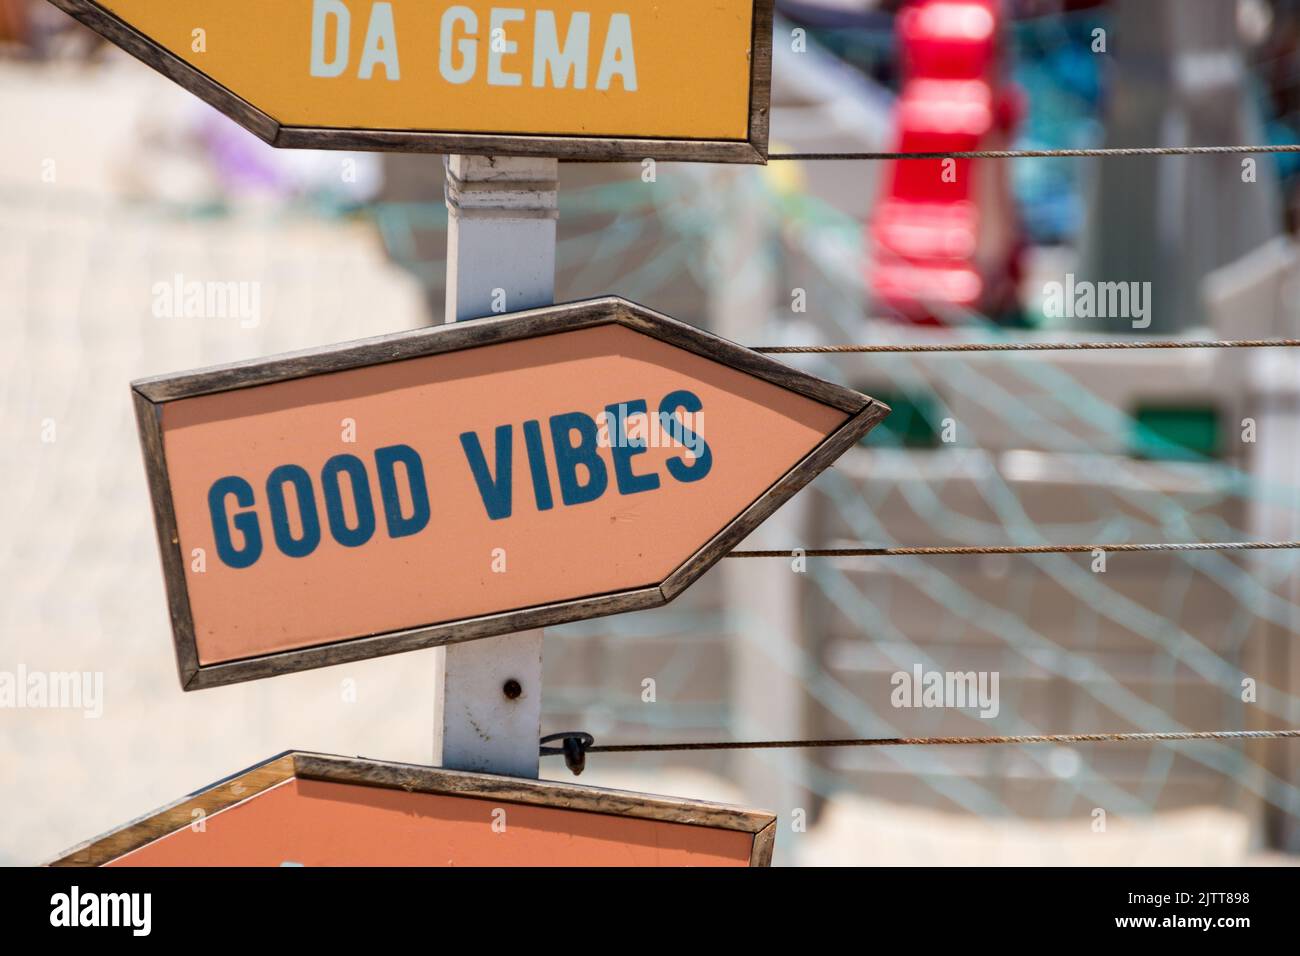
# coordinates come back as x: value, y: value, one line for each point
x: 363, y: 503
x: 496, y: 493
x: 677, y: 467
x: 623, y: 448
x: 385, y: 461
x: 284, y: 539
x: 245, y: 522
x: 537, y: 465
x: 569, y: 456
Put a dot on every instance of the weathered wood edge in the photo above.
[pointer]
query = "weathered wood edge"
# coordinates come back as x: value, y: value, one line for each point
x: 379, y: 350
x: 760, y: 88
x: 752, y: 150
x: 458, y: 336
x: 368, y: 647
x: 813, y: 464
x: 575, y: 149
x: 764, y: 844
x: 548, y: 793
x: 117, y: 31
x: 551, y: 320
x: 148, y: 417
x: 710, y: 346
x: 246, y: 784
x: 174, y: 816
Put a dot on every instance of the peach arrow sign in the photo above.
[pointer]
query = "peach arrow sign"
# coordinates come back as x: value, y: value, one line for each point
x: 308, y: 809
x: 466, y: 481
x: 579, y: 79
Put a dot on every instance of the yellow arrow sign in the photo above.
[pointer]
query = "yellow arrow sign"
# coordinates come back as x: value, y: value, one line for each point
x: 590, y: 79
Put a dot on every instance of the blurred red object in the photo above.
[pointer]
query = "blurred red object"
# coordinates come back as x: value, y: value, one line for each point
x: 14, y: 21
x: 945, y: 234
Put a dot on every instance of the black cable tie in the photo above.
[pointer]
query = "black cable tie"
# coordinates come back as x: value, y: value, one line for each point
x: 574, y: 749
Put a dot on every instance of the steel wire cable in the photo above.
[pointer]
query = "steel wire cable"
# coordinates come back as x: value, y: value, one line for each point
x: 1097, y: 152
x: 930, y: 551
x: 1107, y: 345
x: 1013, y: 739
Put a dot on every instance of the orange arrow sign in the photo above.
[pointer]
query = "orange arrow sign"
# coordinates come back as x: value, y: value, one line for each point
x: 466, y: 481
x: 583, y: 79
x: 305, y: 809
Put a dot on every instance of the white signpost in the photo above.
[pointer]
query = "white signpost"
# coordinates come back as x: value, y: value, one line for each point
x: 502, y: 214
x: 513, y: 87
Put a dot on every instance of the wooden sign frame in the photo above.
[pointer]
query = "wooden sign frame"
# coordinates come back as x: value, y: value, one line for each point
x: 413, y: 778
x: 151, y: 394
x: 752, y: 150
